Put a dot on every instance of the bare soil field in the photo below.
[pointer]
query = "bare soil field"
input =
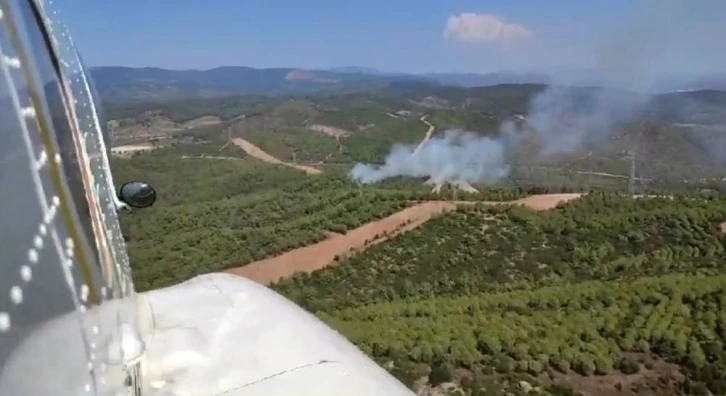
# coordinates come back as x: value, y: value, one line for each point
x: 546, y: 201
x: 202, y: 121
x: 129, y: 149
x: 322, y: 254
x: 655, y: 377
x: 153, y: 125
x: 329, y: 130
x: 260, y: 154
x: 658, y: 378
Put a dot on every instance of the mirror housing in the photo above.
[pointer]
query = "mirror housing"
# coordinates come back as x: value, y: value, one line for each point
x: 137, y: 194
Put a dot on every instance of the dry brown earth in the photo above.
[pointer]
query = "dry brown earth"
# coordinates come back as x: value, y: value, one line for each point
x: 322, y: 254
x: 258, y: 153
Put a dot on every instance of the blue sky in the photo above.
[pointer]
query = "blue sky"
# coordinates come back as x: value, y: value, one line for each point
x: 393, y: 35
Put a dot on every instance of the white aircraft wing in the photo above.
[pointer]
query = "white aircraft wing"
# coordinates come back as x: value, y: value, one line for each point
x: 220, y: 334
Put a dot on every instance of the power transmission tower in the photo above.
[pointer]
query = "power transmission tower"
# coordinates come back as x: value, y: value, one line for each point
x: 631, y: 178
x: 635, y: 144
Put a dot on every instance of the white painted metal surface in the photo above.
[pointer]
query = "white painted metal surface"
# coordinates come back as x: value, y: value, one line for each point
x: 220, y: 334
x: 217, y: 334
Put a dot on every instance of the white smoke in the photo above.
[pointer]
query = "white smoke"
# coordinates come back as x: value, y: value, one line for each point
x: 455, y: 156
x: 658, y: 37
x: 626, y: 65
x: 565, y: 119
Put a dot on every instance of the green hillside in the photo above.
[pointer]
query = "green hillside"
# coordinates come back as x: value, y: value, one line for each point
x: 605, y: 295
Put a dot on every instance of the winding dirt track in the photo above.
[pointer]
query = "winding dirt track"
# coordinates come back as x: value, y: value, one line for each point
x: 426, y: 138
x: 260, y: 154
x: 322, y: 254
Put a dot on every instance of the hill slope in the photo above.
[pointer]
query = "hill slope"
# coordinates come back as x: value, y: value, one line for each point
x: 114, y: 82
x: 483, y: 298
x: 679, y: 136
x: 145, y: 83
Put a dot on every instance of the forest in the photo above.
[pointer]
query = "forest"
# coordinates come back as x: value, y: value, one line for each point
x: 607, y: 283
x: 603, y: 285
x: 593, y: 328
x: 213, y: 215
x: 604, y: 295
x: 298, y: 145
x: 672, y: 150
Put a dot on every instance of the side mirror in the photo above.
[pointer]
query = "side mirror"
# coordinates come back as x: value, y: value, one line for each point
x: 137, y: 194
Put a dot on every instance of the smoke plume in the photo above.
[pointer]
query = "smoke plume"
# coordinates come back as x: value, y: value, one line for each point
x: 628, y: 65
x: 455, y: 156
x: 625, y: 66
x: 658, y: 37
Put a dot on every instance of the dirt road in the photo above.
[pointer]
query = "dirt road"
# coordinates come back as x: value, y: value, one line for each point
x: 214, y: 157
x: 323, y: 254
x: 546, y: 201
x: 426, y: 138
x: 260, y: 154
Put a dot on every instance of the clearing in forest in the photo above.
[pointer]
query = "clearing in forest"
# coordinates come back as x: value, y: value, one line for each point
x: 129, y: 149
x: 260, y: 154
x: 331, y: 131
x: 656, y: 377
x: 322, y: 254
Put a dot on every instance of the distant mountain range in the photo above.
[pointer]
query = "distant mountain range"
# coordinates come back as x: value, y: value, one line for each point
x: 127, y: 83
x: 149, y: 83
